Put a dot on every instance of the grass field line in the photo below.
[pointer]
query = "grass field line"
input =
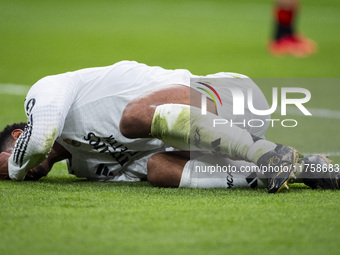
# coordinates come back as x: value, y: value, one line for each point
x: 14, y: 89
x: 316, y: 112
x: 21, y: 90
x: 330, y: 154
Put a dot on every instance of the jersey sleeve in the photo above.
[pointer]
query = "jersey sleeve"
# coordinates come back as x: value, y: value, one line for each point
x: 46, y: 106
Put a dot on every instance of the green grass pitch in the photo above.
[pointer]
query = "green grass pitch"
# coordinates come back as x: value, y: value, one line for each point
x: 64, y: 215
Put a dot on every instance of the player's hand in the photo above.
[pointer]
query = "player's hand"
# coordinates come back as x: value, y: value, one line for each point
x: 37, y: 172
x: 57, y: 153
x: 4, y: 165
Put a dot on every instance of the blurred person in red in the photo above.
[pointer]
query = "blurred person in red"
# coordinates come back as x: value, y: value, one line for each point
x: 285, y: 39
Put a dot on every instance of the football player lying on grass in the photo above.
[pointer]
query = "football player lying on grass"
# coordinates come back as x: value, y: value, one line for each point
x: 132, y: 122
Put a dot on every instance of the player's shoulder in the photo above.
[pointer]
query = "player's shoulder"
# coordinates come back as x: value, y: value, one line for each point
x: 49, y: 81
x: 227, y: 75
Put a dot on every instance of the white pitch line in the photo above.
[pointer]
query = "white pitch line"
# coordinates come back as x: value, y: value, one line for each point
x: 316, y: 112
x: 329, y: 154
x: 325, y: 113
x: 13, y: 89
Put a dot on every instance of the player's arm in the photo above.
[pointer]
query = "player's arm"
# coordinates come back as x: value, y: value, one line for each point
x: 46, y: 106
x: 58, y: 153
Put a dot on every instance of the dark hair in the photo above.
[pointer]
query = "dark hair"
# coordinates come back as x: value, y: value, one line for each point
x: 6, y: 135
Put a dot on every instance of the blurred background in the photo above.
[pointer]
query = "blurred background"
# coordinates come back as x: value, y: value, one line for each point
x: 41, y: 37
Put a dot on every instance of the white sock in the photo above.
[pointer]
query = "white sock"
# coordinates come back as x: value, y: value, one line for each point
x: 259, y: 148
x: 192, y: 178
x: 185, y: 128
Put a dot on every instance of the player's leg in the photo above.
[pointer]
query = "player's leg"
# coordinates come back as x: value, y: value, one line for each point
x: 172, y: 114
x: 180, y: 169
x: 169, y: 114
x: 178, y: 124
x: 285, y: 12
x: 138, y: 114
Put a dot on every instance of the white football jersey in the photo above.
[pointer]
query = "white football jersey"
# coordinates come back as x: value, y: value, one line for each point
x: 82, y: 111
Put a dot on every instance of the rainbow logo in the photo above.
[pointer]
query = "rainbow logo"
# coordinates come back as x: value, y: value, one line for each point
x: 210, y: 93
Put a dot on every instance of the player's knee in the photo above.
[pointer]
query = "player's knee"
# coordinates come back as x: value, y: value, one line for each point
x: 154, y: 181
x: 130, y: 123
x: 136, y: 121
x: 126, y: 124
